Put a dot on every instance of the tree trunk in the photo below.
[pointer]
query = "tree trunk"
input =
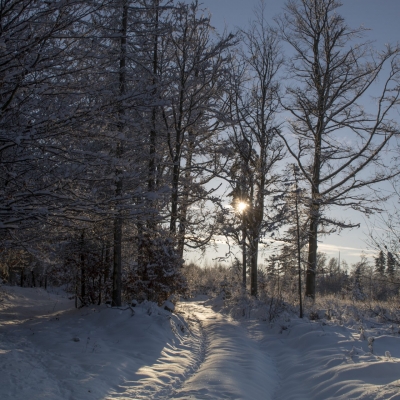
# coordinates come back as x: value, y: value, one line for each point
x: 298, y: 245
x: 179, y: 137
x: 100, y: 275
x: 314, y: 214
x: 253, y: 267
x: 117, y: 271
x: 175, y: 184
x: 107, y: 262
x: 83, y: 269
x: 244, y: 255
x: 185, y: 200
x: 315, y: 195
x: 312, y: 255
x: 153, y: 131
x: 22, y: 278
x: 117, y: 268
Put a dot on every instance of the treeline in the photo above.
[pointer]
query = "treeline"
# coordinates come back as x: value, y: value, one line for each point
x: 364, y: 281
x: 360, y: 281
x: 121, y: 118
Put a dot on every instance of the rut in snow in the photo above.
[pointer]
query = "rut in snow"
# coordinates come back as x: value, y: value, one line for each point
x: 163, y: 379
x: 234, y: 365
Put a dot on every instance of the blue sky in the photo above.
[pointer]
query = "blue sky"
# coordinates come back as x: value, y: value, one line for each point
x: 382, y: 18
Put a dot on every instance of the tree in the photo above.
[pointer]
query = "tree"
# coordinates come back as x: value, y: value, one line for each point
x: 298, y: 238
x: 253, y: 137
x: 192, y: 111
x: 380, y: 264
x: 115, y: 97
x: 117, y: 267
x: 81, y: 82
x: 40, y: 103
x: 241, y: 177
x: 292, y: 254
x: 114, y: 154
x: 335, y: 141
x: 391, y: 265
x: 359, y: 273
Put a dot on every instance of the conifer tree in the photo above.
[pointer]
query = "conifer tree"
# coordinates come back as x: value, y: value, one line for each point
x: 390, y: 265
x: 380, y: 264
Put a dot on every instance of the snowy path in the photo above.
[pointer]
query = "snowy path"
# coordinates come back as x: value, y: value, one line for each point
x: 51, y: 351
x: 234, y: 366
x: 226, y: 363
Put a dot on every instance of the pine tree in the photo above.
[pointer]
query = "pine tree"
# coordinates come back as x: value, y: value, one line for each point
x: 390, y: 265
x: 360, y: 270
x: 380, y: 263
x: 357, y: 289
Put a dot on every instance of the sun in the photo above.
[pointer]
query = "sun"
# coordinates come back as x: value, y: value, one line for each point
x: 241, y: 206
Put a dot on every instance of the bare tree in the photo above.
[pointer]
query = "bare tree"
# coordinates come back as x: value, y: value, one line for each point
x: 254, y: 138
x: 193, y: 108
x: 336, y: 137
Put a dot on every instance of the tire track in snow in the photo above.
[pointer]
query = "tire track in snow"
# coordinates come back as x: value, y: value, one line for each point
x: 257, y: 333
x: 215, y: 358
x: 177, y: 364
x: 201, y: 342
x: 234, y: 365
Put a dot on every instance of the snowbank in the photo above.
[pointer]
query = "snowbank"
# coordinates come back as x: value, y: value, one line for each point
x: 50, y: 350
x: 347, y: 351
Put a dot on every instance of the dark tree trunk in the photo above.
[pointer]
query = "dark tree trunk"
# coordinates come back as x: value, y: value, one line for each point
x: 22, y: 278
x: 117, y: 270
x: 107, y: 262
x: 100, y: 274
x: 175, y: 187
x: 244, y: 254
x: 314, y: 218
x: 83, y: 270
x: 253, y: 267
x: 298, y: 245
x: 185, y: 200
x: 153, y: 131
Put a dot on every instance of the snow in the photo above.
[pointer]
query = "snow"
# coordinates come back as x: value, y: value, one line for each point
x: 234, y: 366
x: 317, y: 360
x: 50, y: 350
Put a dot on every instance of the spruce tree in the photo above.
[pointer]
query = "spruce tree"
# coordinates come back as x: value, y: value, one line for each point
x: 391, y: 265
x: 380, y: 263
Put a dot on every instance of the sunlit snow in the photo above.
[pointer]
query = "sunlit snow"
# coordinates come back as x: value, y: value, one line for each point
x: 50, y: 350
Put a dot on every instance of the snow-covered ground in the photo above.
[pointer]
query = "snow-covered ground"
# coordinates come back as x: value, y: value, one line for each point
x: 50, y: 350
x: 318, y: 360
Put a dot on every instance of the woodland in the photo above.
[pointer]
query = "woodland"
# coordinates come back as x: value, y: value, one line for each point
x: 132, y: 131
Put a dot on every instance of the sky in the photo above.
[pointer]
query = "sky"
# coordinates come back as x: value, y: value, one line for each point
x: 382, y: 20
x: 380, y: 16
